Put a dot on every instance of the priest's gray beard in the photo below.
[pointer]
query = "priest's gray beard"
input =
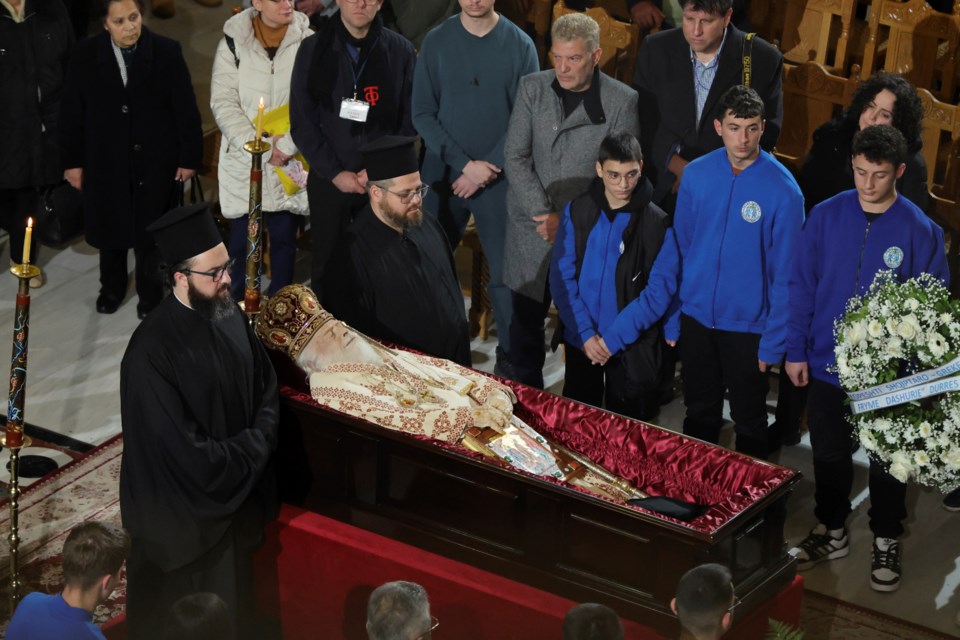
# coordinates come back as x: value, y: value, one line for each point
x: 213, y: 308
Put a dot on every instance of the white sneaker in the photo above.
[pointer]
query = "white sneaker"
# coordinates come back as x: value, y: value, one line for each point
x: 885, y: 568
x: 821, y: 545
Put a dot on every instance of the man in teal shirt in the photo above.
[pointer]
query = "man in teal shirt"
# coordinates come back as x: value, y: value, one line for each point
x: 462, y: 101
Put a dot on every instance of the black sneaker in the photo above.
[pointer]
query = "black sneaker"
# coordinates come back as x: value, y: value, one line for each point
x: 885, y: 571
x: 818, y: 546
x: 951, y: 501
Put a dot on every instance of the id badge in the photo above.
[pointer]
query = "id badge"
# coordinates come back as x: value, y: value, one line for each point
x: 355, y: 110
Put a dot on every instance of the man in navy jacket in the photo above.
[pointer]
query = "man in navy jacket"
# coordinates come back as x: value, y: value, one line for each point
x: 845, y: 242
x: 351, y: 84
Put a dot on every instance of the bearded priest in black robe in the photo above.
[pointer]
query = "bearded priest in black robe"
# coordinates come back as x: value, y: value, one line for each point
x: 396, y: 279
x: 199, y: 408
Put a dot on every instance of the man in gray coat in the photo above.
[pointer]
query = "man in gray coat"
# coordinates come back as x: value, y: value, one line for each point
x: 559, y: 119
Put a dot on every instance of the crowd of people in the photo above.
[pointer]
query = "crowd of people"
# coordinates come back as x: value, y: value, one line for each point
x: 653, y: 216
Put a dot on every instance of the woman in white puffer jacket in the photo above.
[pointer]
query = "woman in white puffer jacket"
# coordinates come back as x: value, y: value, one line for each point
x: 265, y: 40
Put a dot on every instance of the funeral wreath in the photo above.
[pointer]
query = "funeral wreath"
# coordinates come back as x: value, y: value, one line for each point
x: 897, y: 349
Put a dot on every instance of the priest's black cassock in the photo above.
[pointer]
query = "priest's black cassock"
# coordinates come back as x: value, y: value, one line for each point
x: 200, y: 408
x: 400, y: 287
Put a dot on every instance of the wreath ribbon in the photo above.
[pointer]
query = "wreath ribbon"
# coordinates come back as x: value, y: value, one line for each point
x: 910, y: 389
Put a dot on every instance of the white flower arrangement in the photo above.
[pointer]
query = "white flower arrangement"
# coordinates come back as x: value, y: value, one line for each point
x: 893, y: 331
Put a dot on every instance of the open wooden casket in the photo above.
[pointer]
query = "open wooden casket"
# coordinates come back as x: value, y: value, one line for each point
x: 451, y: 501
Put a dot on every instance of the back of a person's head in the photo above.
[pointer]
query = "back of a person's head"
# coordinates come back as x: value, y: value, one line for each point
x: 398, y: 611
x: 704, y: 597
x: 591, y: 621
x: 199, y: 616
x: 93, y: 550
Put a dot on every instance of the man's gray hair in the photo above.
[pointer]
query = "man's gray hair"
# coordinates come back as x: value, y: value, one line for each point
x: 398, y: 611
x: 571, y: 26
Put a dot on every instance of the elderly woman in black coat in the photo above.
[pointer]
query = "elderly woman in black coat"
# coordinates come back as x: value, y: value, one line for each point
x: 129, y: 127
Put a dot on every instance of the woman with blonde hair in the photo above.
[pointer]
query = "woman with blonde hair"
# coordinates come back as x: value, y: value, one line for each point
x: 254, y: 61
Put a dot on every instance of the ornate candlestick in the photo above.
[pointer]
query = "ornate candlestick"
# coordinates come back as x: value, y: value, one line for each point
x: 251, y: 293
x: 13, y: 438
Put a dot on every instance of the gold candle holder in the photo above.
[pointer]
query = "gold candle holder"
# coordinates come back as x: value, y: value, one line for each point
x: 13, y: 437
x: 251, y: 290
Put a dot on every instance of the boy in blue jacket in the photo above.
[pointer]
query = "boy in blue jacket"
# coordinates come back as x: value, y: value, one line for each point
x: 738, y: 214
x: 611, y: 284
x: 93, y: 554
x: 845, y: 242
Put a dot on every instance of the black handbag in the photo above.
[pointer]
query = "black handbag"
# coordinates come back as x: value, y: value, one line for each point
x: 196, y: 192
x: 59, y: 215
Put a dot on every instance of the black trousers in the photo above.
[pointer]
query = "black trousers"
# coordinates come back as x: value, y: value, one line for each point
x: 149, y: 282
x: 791, y: 402
x: 331, y: 211
x: 16, y: 205
x: 605, y: 386
x: 715, y: 361
x: 528, y: 349
x: 831, y: 438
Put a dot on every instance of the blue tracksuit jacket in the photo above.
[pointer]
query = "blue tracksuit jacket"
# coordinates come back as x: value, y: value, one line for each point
x: 736, y: 235
x: 838, y: 255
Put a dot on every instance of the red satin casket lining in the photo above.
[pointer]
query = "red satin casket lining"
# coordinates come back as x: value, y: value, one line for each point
x: 658, y: 461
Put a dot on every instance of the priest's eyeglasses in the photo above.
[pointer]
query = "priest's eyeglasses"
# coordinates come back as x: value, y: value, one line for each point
x: 215, y: 274
x: 406, y: 197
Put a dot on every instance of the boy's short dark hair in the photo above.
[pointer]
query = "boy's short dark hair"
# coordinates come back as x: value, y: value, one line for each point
x: 880, y: 143
x: 93, y: 550
x: 591, y: 621
x: 716, y: 7
x: 741, y: 102
x: 620, y: 147
x: 704, y: 595
x: 199, y: 616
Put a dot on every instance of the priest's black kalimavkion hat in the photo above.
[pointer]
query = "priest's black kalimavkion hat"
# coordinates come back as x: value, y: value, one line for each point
x: 185, y: 232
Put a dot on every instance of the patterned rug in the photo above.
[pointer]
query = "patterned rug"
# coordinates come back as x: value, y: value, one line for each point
x: 87, y: 490
x: 826, y: 618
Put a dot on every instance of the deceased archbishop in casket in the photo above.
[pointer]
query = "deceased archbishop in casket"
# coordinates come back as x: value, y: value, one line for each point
x: 427, y: 396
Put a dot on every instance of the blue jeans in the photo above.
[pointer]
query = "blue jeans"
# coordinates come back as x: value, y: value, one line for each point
x: 489, y: 209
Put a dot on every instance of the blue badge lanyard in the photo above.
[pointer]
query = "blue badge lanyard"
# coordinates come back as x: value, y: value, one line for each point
x: 359, y: 72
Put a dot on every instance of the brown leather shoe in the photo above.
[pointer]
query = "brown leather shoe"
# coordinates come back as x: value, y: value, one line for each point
x: 163, y: 8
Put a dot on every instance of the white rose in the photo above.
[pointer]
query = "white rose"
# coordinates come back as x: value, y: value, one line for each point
x: 900, y: 471
x: 951, y: 458
x: 900, y: 467
x: 912, y: 303
x: 906, y: 330
x: 912, y: 319
x: 856, y: 333
x: 874, y: 328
